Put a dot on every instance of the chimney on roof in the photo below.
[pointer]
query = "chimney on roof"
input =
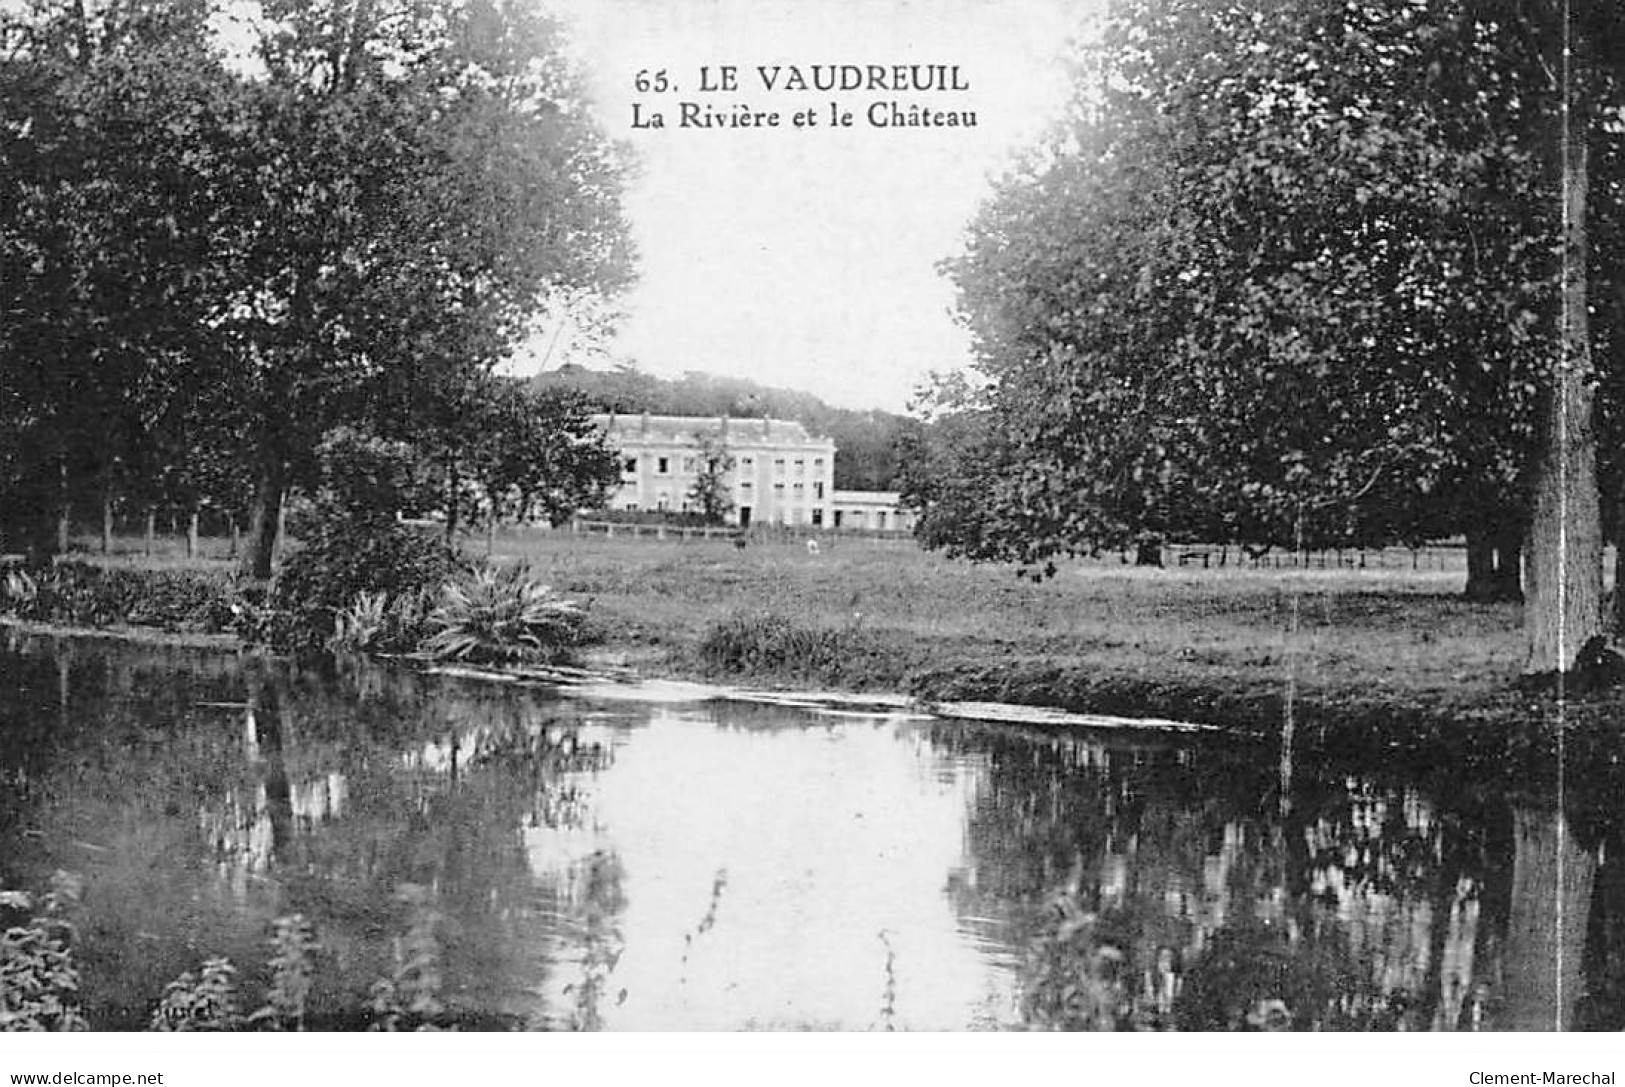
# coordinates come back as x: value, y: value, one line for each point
x: 645, y: 430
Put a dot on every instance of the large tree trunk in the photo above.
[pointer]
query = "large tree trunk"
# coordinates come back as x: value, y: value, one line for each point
x: 1564, y: 609
x: 263, y: 522
x: 1552, y: 881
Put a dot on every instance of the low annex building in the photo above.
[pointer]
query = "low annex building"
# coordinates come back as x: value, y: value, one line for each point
x: 781, y: 475
x: 872, y: 511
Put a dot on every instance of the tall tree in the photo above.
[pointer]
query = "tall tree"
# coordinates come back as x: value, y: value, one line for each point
x: 518, y: 452
x: 421, y: 174
x: 1572, y: 49
x: 110, y: 220
x: 1289, y: 275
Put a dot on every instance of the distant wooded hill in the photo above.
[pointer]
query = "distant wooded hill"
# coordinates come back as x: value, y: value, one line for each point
x: 865, y: 441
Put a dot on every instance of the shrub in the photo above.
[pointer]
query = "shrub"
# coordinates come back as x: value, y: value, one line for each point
x: 339, y: 564
x: 354, y: 547
x: 500, y: 614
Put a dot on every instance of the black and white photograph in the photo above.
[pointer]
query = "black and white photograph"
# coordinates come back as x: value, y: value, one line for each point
x: 661, y: 517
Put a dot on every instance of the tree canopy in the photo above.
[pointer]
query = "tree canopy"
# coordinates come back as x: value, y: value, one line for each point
x: 227, y: 258
x: 1288, y: 274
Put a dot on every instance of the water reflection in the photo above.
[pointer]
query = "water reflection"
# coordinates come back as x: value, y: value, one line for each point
x: 716, y: 866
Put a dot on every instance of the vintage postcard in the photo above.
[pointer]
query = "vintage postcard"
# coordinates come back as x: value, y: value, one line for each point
x: 718, y: 516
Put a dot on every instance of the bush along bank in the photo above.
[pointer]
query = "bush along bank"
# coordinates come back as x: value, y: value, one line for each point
x: 416, y: 599
x: 78, y: 594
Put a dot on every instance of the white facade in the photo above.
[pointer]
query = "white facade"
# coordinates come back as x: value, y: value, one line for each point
x: 781, y: 474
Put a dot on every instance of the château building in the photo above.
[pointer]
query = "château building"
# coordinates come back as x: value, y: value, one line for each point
x: 781, y: 474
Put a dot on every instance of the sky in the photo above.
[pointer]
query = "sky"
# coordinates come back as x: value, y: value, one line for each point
x: 807, y: 258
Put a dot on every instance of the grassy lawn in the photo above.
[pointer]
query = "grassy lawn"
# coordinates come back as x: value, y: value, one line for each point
x: 1376, y: 651
x: 1387, y: 635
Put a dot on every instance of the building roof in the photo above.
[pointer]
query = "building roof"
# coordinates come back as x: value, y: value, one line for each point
x: 680, y: 430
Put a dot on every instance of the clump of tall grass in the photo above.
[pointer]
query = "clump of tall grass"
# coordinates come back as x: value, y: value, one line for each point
x: 772, y: 645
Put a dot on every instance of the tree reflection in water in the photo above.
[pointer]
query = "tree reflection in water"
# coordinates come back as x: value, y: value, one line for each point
x: 138, y: 763
x: 1123, y: 882
x: 1161, y: 889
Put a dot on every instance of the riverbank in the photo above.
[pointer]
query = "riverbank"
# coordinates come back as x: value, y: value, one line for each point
x: 1352, y: 658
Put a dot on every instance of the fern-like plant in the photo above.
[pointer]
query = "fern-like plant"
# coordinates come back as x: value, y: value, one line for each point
x: 500, y: 614
x: 293, y: 967
x: 18, y: 591
x: 361, y: 625
x: 206, y: 1001
x: 39, y: 982
x: 409, y: 1000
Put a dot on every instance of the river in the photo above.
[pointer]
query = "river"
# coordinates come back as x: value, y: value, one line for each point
x: 600, y: 863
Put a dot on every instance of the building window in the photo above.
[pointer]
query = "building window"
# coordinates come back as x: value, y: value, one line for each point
x: 880, y: 516
x: 778, y: 466
x: 744, y: 484
x: 818, y: 518
x: 632, y: 507
x: 801, y: 467
x: 818, y: 464
x: 747, y: 463
x: 630, y: 465
x: 818, y: 489
x: 799, y: 489
x: 663, y: 465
